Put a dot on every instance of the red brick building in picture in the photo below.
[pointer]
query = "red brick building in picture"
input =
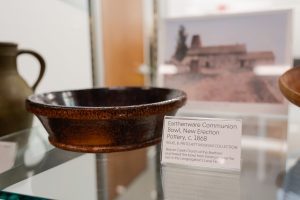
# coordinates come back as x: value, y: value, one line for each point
x: 230, y: 57
x: 221, y: 72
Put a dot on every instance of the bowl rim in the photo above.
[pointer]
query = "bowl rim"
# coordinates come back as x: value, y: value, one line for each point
x: 286, y: 90
x: 106, y: 112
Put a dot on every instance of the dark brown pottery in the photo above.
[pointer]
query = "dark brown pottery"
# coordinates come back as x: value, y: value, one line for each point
x: 14, y: 90
x: 105, y: 119
x: 289, y: 84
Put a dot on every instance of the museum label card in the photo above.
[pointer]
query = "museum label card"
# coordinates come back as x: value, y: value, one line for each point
x: 8, y: 152
x: 202, y: 142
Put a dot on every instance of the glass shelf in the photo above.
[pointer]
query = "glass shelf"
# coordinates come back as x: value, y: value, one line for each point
x: 270, y: 168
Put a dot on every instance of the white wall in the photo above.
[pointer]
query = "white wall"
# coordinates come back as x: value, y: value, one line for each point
x: 59, y: 31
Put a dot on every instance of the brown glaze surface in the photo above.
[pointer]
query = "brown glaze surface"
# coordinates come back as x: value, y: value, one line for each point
x: 289, y: 84
x: 14, y: 89
x: 105, y: 119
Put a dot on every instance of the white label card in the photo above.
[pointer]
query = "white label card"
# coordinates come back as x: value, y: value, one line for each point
x: 8, y: 152
x: 202, y: 142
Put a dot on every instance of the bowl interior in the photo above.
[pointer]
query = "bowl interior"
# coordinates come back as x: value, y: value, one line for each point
x: 107, y: 97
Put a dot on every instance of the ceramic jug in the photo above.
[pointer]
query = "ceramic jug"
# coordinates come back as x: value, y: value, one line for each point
x: 14, y: 90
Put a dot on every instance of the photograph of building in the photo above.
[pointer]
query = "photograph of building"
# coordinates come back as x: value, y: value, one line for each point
x: 223, y: 72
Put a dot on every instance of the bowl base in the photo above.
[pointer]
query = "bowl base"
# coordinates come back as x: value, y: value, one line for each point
x: 102, y: 149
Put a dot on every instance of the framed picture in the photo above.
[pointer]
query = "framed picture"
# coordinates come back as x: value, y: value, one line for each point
x: 229, y: 59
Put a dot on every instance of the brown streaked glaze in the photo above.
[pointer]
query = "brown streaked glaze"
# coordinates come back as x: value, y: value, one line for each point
x: 105, y: 119
x: 289, y: 84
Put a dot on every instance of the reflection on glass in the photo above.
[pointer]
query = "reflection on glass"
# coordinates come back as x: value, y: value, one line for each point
x: 68, y: 99
x: 192, y: 184
x: 289, y: 184
x: 30, y: 146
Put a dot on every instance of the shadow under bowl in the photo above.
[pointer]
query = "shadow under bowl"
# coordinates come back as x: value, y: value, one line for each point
x: 105, y: 119
x: 289, y: 84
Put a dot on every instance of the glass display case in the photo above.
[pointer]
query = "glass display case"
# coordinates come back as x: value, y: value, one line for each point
x: 269, y: 168
x: 93, y: 43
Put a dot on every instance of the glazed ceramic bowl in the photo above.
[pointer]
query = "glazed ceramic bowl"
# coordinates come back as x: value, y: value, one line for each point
x: 105, y: 119
x: 289, y: 84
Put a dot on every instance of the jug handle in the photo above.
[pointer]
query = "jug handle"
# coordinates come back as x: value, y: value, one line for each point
x: 42, y: 65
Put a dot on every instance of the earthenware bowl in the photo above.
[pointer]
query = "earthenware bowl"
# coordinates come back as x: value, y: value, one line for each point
x: 105, y: 119
x: 289, y: 84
